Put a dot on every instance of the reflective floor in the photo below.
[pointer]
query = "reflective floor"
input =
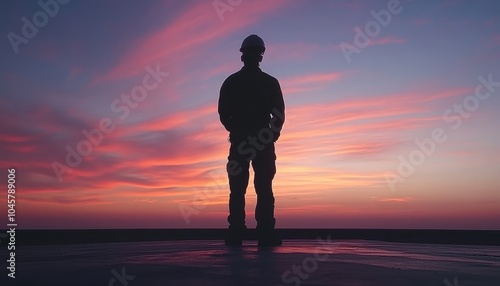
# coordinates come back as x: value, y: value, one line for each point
x: 297, y: 262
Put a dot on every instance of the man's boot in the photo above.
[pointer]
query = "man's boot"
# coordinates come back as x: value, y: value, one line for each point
x: 235, y: 235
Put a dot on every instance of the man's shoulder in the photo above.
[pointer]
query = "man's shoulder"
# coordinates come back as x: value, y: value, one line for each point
x: 269, y: 77
x: 235, y: 77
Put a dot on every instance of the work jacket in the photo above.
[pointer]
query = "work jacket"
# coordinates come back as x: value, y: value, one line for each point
x: 250, y: 100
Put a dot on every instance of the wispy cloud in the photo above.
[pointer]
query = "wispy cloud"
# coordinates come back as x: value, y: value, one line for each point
x: 394, y: 200
x: 192, y: 30
x: 386, y: 41
x: 310, y: 82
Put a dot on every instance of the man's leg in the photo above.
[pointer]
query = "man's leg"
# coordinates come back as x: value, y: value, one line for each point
x: 264, y: 166
x: 237, y: 168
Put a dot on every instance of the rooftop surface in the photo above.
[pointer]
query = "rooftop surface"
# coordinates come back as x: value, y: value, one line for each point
x: 321, y: 261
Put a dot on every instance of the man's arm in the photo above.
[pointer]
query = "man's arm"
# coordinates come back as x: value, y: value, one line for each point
x: 277, y: 111
x: 224, y: 108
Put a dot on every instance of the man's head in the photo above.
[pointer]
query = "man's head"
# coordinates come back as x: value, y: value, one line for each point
x: 252, y: 50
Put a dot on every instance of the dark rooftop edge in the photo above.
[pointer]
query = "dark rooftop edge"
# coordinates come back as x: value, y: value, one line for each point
x: 25, y: 237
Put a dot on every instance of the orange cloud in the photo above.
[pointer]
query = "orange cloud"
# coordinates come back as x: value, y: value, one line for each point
x: 396, y: 200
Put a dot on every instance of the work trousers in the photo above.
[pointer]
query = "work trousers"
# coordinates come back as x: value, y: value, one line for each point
x: 263, y: 160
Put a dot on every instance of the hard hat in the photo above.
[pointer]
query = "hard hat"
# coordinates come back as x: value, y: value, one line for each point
x: 253, y: 41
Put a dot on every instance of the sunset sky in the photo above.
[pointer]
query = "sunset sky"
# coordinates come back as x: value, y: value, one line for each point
x: 390, y: 124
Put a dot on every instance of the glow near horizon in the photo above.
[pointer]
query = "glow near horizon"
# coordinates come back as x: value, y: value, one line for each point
x: 347, y: 123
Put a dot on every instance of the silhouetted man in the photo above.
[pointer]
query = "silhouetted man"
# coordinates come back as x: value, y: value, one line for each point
x: 251, y: 108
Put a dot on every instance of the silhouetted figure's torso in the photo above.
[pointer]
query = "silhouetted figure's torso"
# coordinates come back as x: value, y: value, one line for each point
x: 247, y: 99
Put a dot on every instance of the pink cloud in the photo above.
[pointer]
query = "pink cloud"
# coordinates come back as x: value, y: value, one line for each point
x: 359, y: 126
x: 386, y: 41
x: 448, y: 3
x: 309, y: 82
x: 495, y: 40
x: 290, y: 51
x: 224, y: 69
x: 192, y: 30
x: 351, y: 5
x: 489, y: 23
x: 421, y: 21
